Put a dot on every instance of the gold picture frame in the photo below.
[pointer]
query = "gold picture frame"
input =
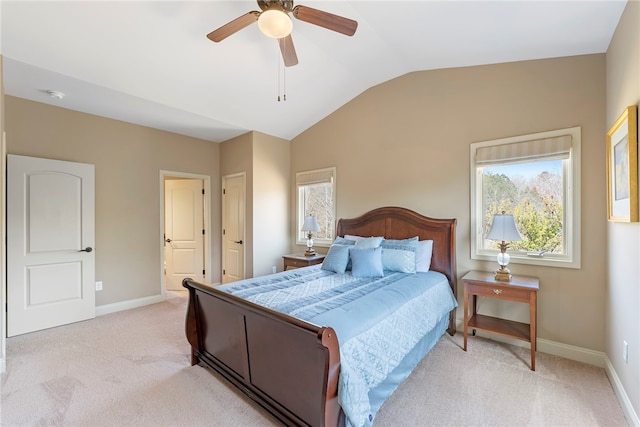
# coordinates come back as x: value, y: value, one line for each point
x: 622, y: 167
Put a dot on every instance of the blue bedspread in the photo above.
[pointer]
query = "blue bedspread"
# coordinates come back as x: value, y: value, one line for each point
x: 384, y: 325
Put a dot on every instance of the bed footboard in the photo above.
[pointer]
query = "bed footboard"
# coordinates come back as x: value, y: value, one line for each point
x: 287, y: 366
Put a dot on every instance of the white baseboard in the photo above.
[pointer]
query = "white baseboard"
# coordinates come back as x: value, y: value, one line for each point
x: 571, y: 352
x: 127, y: 305
x: 629, y: 413
x: 579, y: 354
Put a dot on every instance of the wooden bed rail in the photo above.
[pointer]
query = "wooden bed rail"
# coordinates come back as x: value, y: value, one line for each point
x: 288, y: 366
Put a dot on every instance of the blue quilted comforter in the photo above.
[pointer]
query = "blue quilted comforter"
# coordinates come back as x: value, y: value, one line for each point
x: 385, y: 326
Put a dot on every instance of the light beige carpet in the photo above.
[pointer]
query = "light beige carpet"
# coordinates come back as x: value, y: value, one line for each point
x: 132, y: 369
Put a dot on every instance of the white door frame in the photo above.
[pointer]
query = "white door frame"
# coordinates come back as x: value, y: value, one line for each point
x: 3, y: 246
x: 206, y: 179
x: 244, y: 231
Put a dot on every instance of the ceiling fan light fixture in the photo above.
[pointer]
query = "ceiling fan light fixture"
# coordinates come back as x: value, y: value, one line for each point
x: 275, y: 23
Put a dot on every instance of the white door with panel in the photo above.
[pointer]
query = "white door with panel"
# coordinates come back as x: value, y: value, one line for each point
x: 184, y: 231
x: 233, y: 217
x: 50, y: 243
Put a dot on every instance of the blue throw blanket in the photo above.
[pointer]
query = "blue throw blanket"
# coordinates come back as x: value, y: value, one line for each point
x: 384, y: 325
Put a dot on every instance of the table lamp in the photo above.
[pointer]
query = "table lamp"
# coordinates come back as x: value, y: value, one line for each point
x: 310, y: 225
x: 503, y: 229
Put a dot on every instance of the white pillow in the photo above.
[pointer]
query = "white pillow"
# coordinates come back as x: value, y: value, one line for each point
x: 369, y: 242
x: 423, y: 255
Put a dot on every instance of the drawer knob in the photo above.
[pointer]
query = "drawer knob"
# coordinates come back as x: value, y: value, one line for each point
x: 497, y: 291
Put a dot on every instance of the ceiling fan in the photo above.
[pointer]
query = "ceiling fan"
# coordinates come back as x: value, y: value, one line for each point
x: 274, y: 21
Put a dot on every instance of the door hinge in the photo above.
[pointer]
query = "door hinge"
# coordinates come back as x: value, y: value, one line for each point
x: 224, y: 272
x: 224, y: 191
x: 203, y: 191
x: 203, y: 272
x: 224, y: 231
x: 203, y: 231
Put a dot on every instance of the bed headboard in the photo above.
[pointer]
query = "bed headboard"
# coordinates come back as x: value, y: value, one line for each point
x: 401, y: 223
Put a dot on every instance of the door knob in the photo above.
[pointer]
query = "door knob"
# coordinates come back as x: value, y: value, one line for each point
x: 167, y: 240
x: 87, y: 249
x: 238, y: 242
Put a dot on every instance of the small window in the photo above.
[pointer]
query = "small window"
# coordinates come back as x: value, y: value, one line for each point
x: 316, y: 196
x: 537, y: 179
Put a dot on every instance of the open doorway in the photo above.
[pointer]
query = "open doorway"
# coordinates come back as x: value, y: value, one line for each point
x: 185, y: 243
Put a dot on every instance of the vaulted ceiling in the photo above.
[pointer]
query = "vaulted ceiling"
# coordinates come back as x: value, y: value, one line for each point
x: 150, y: 62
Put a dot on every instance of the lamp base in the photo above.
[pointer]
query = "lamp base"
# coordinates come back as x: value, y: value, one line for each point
x: 309, y: 252
x: 503, y: 275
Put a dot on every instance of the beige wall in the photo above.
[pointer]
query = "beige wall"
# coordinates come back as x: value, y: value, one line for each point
x: 623, y: 240
x: 406, y: 143
x: 271, y: 178
x: 128, y: 159
x: 265, y: 160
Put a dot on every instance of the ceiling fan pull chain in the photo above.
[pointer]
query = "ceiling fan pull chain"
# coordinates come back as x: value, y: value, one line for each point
x: 284, y: 81
x: 278, y: 76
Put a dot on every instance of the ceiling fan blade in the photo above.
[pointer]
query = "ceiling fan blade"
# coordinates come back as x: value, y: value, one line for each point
x: 231, y: 27
x: 325, y: 19
x: 288, y: 51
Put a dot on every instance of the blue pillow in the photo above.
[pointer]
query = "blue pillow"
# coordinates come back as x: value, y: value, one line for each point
x: 399, y: 255
x: 342, y: 241
x: 336, y: 259
x: 366, y: 262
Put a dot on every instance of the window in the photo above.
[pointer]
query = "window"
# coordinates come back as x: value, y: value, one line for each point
x: 316, y: 196
x: 537, y: 179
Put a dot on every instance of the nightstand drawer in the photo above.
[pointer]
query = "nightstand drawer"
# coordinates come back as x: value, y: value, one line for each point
x: 498, y: 291
x: 301, y: 260
x: 297, y: 263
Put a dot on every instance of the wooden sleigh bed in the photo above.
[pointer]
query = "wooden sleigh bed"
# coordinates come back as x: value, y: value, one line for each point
x: 288, y: 366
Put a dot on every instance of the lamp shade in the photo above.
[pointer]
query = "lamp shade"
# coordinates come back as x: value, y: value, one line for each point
x: 275, y: 23
x: 503, y: 228
x: 310, y: 224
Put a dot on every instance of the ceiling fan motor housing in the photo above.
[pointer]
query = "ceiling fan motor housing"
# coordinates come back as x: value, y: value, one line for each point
x: 286, y: 5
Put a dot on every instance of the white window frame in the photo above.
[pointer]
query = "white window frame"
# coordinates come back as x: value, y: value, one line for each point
x: 571, y: 209
x: 317, y: 176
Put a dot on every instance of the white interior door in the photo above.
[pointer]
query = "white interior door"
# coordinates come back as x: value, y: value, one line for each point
x: 184, y: 227
x: 50, y: 241
x: 233, y: 238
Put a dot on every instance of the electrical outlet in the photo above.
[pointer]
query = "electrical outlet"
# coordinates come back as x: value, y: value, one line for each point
x: 99, y: 286
x: 273, y: 269
x: 625, y: 351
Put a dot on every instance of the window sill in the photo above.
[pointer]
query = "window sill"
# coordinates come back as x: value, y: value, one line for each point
x: 546, y: 261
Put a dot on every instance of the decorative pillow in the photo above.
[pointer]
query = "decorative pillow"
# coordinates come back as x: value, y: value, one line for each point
x: 336, y: 259
x: 399, y: 255
x: 423, y: 255
x: 343, y: 241
x: 366, y: 262
x: 369, y: 242
x: 352, y: 237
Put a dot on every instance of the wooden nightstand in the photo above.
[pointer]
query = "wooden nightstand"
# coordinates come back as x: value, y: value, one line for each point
x: 301, y: 260
x: 519, y: 289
